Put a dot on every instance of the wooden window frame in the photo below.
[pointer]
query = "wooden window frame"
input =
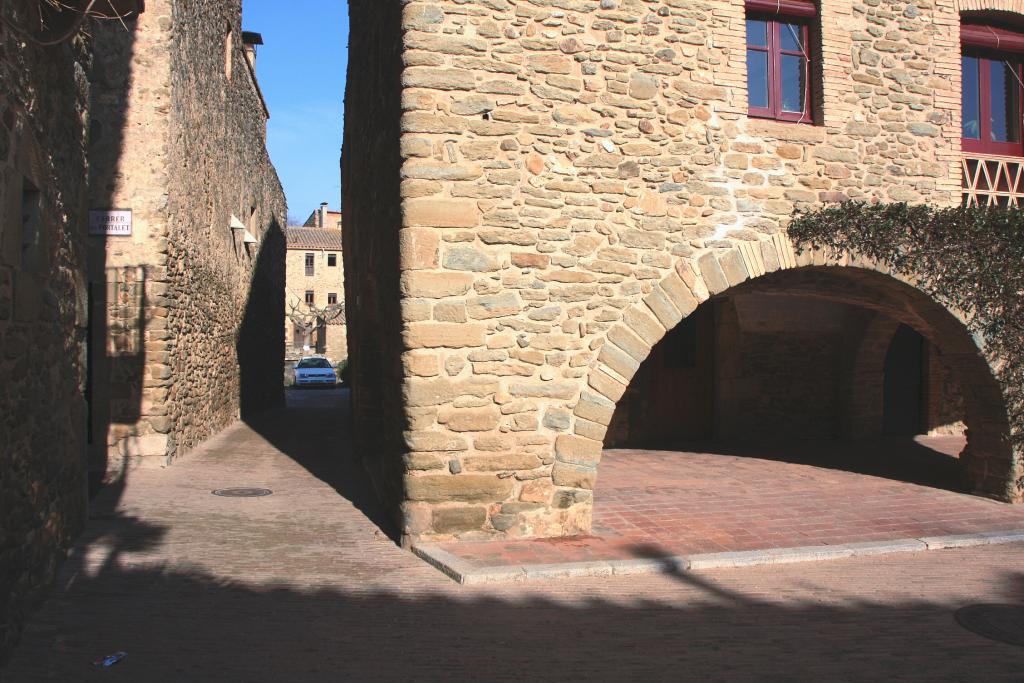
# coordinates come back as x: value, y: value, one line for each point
x: 993, y: 44
x: 775, y: 53
x: 310, y: 297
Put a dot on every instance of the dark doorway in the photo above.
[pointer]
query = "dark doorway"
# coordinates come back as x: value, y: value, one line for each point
x: 672, y: 396
x: 903, y: 391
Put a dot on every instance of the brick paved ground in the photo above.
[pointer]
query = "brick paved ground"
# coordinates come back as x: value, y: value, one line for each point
x: 302, y: 586
x: 742, y: 498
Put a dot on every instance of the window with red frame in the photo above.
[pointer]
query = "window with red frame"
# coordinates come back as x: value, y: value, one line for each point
x: 991, y: 90
x: 779, y: 59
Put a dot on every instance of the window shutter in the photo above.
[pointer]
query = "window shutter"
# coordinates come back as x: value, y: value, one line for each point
x: 991, y: 38
x: 789, y: 8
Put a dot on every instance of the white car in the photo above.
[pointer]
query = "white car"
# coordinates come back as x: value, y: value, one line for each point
x: 314, y: 371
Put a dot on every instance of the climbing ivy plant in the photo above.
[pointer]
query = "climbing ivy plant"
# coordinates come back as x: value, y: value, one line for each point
x: 970, y: 259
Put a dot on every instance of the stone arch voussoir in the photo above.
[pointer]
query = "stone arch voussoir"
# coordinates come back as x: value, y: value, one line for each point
x: 695, y: 279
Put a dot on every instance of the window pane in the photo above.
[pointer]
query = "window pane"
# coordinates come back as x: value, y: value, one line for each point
x: 757, y: 78
x: 1003, y: 89
x: 793, y: 84
x: 970, y: 98
x: 791, y: 37
x: 757, y: 32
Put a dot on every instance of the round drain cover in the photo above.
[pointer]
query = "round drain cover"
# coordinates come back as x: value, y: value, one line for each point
x: 242, y: 492
x: 1004, y: 623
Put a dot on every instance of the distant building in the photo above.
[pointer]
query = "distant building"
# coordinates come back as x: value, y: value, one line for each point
x: 315, y: 288
x: 324, y: 218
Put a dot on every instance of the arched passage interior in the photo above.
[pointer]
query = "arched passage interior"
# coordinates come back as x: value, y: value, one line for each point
x: 801, y: 381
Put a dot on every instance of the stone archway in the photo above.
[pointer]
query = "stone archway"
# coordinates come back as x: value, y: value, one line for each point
x: 991, y: 466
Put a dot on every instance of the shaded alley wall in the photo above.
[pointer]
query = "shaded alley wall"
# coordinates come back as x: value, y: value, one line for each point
x: 43, y: 313
x: 228, y: 299
x: 371, y: 210
x: 193, y: 312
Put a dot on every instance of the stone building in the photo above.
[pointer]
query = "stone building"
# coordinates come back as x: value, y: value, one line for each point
x: 190, y: 302
x: 43, y: 313
x: 323, y: 217
x: 593, y: 197
x: 141, y: 257
x: 315, y: 288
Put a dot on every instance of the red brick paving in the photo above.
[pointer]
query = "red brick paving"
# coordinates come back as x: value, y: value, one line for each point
x: 684, y: 502
x: 303, y: 586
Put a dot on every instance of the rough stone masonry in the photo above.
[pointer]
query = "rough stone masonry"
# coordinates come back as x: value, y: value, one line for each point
x: 191, y: 302
x: 537, y: 190
x: 130, y: 348
x: 43, y: 313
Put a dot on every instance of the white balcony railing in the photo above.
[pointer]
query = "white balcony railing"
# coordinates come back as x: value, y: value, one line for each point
x: 992, y: 180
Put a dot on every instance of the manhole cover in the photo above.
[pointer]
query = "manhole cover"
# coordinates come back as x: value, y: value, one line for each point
x: 242, y: 493
x: 1004, y: 623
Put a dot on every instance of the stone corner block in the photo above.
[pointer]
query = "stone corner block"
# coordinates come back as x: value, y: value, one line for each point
x: 574, y: 476
x: 578, y: 450
x: 467, y: 488
x: 447, y: 335
x: 440, y: 213
x: 456, y: 520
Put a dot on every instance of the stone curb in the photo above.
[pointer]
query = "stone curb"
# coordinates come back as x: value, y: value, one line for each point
x: 469, y: 573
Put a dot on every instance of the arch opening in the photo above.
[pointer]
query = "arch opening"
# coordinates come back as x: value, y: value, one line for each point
x: 816, y: 383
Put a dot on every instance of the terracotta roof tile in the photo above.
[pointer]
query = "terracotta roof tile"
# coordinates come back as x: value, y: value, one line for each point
x: 314, y: 238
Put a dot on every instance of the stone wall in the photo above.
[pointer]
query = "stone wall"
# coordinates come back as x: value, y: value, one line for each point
x: 782, y: 366
x: 129, y: 164
x: 577, y: 175
x: 371, y: 210
x: 192, y: 312
x: 226, y: 300
x: 43, y: 313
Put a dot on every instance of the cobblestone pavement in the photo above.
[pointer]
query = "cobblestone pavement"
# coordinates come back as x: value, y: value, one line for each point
x: 303, y: 585
x: 740, y: 498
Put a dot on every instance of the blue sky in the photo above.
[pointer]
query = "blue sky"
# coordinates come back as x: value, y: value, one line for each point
x: 301, y: 68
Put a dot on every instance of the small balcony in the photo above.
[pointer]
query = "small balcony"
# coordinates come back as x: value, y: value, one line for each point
x: 990, y: 180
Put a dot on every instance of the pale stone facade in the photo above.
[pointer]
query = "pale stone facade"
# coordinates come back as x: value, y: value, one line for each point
x: 575, y: 177
x: 193, y: 297
x: 315, y: 270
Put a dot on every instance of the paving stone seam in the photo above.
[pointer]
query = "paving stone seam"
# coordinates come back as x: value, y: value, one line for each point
x: 469, y: 573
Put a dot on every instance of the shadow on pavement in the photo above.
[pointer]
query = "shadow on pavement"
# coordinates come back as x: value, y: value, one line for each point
x: 178, y: 625
x: 314, y: 430
x: 897, y: 458
x: 181, y: 623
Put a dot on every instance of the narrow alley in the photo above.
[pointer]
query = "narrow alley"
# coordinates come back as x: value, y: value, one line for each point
x: 305, y: 585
